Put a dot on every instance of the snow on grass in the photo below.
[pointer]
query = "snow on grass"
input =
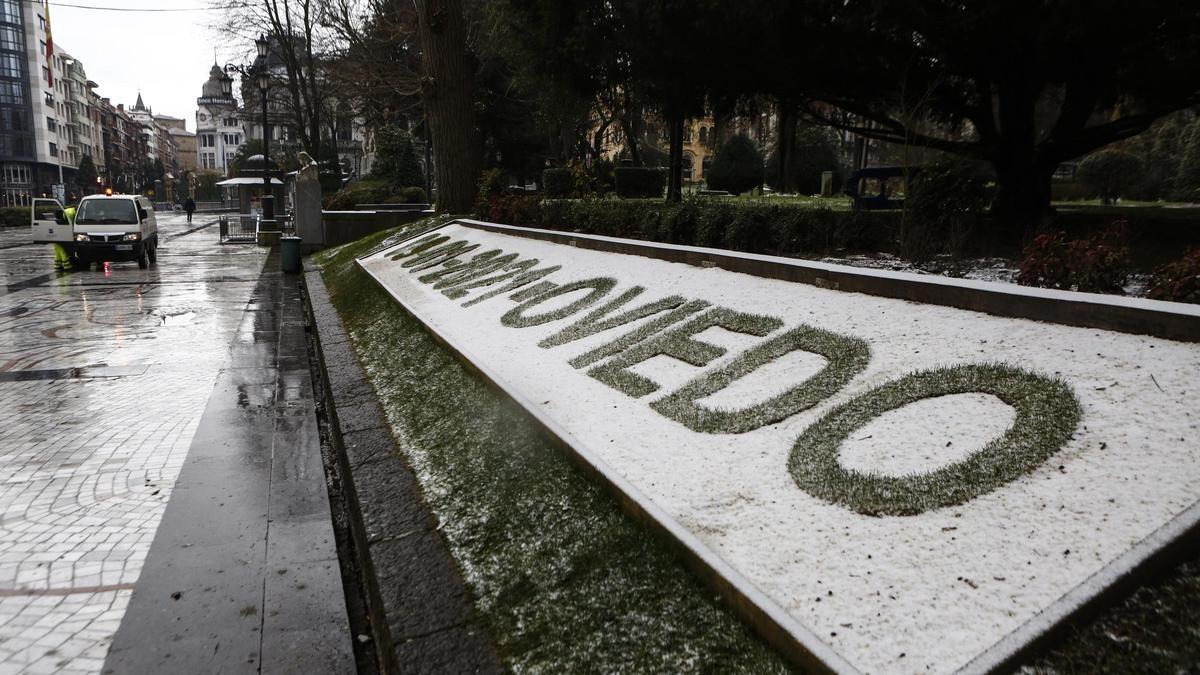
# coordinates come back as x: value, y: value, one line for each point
x: 1107, y: 455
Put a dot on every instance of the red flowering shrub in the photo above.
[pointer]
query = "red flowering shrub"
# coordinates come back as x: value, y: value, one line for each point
x: 1178, y: 280
x: 519, y: 210
x: 1098, y: 264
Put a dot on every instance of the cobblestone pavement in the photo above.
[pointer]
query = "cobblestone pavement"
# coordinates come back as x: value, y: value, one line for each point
x: 104, y: 375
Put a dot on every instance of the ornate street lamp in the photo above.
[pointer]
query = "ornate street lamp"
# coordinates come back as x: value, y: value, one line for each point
x: 259, y: 73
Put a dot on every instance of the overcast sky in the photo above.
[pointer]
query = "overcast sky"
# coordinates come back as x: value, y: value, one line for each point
x: 165, y: 55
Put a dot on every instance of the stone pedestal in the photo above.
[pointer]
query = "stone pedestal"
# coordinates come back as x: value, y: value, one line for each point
x: 268, y: 233
x: 306, y: 205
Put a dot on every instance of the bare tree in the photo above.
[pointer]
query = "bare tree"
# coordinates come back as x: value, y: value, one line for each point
x: 297, y: 32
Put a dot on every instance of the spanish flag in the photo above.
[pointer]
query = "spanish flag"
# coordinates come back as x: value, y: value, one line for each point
x: 49, y: 47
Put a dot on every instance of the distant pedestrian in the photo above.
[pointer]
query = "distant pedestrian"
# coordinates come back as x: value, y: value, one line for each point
x: 190, y: 207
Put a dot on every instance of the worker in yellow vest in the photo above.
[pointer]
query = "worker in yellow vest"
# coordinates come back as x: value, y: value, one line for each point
x: 62, y: 260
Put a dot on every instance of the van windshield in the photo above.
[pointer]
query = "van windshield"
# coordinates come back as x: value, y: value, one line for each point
x: 106, y: 211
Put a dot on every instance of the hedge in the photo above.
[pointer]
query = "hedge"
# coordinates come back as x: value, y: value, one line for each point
x: 640, y: 181
x: 373, y: 192
x: 557, y: 183
x: 14, y: 216
x: 754, y: 227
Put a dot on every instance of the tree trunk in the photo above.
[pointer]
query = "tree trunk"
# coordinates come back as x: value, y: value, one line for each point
x: 675, y: 177
x: 632, y: 121
x: 1022, y: 203
x: 785, y: 147
x: 448, y: 90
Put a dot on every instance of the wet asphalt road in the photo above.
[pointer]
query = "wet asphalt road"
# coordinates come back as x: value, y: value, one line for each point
x: 104, y: 376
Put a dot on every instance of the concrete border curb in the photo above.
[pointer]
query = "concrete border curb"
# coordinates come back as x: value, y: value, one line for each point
x: 417, y: 601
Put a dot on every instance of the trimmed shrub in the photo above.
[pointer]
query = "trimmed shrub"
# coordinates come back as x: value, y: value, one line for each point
x: 14, y: 216
x: 640, y: 181
x: 756, y: 227
x: 1098, y: 264
x: 413, y: 195
x: 1110, y: 173
x: 557, y: 183
x: 362, y: 192
x: 1178, y: 281
x: 946, y: 201
x: 737, y: 168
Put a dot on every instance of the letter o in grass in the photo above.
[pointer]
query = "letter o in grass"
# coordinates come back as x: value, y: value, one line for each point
x: 1047, y: 414
x: 516, y: 317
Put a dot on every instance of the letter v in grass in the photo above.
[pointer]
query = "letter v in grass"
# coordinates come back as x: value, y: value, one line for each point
x: 600, y: 320
x: 639, y: 334
x: 679, y: 344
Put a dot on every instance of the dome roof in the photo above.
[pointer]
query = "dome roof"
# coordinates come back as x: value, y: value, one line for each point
x: 253, y: 166
x: 214, y: 88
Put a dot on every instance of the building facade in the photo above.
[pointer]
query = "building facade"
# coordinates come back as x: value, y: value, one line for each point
x: 219, y: 132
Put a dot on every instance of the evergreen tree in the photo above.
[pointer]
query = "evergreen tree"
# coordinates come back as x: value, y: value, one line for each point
x: 396, y: 159
x: 1110, y: 173
x: 87, y: 176
x: 1187, y: 179
x: 738, y: 166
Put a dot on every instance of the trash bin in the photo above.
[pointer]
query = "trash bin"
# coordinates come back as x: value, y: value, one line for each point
x: 289, y: 253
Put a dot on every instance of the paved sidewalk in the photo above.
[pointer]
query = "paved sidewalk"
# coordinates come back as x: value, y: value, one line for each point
x: 104, y: 378
x: 243, y: 575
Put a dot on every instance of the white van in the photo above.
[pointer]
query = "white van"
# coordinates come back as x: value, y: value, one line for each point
x: 106, y: 228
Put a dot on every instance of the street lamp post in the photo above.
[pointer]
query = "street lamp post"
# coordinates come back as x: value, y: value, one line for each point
x: 259, y: 73
x: 263, y: 80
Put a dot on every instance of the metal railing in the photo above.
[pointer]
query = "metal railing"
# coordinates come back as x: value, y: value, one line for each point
x: 239, y: 229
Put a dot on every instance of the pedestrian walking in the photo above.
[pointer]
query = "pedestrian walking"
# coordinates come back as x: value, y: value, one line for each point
x: 62, y: 259
x: 189, y: 206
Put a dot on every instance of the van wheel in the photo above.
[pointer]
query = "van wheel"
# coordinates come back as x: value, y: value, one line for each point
x: 144, y: 258
x: 81, y: 262
x: 153, y: 252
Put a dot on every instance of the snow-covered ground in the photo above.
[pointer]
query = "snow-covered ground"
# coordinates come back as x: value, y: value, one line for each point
x: 889, y: 594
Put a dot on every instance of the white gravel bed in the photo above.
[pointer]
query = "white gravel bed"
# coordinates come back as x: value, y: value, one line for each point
x: 889, y: 594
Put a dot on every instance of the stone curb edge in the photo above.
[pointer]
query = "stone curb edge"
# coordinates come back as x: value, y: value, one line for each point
x: 418, y: 605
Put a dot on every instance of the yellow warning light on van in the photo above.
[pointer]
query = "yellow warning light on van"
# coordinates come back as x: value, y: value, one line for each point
x: 107, y: 192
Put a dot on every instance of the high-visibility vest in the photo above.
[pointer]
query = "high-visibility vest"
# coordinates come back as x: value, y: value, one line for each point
x: 69, y: 212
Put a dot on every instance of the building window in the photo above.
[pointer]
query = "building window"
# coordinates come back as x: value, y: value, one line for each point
x: 10, y: 92
x: 11, y: 39
x: 231, y: 122
x: 10, y: 11
x: 703, y: 135
x: 54, y: 150
x: 52, y: 125
x: 16, y: 173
